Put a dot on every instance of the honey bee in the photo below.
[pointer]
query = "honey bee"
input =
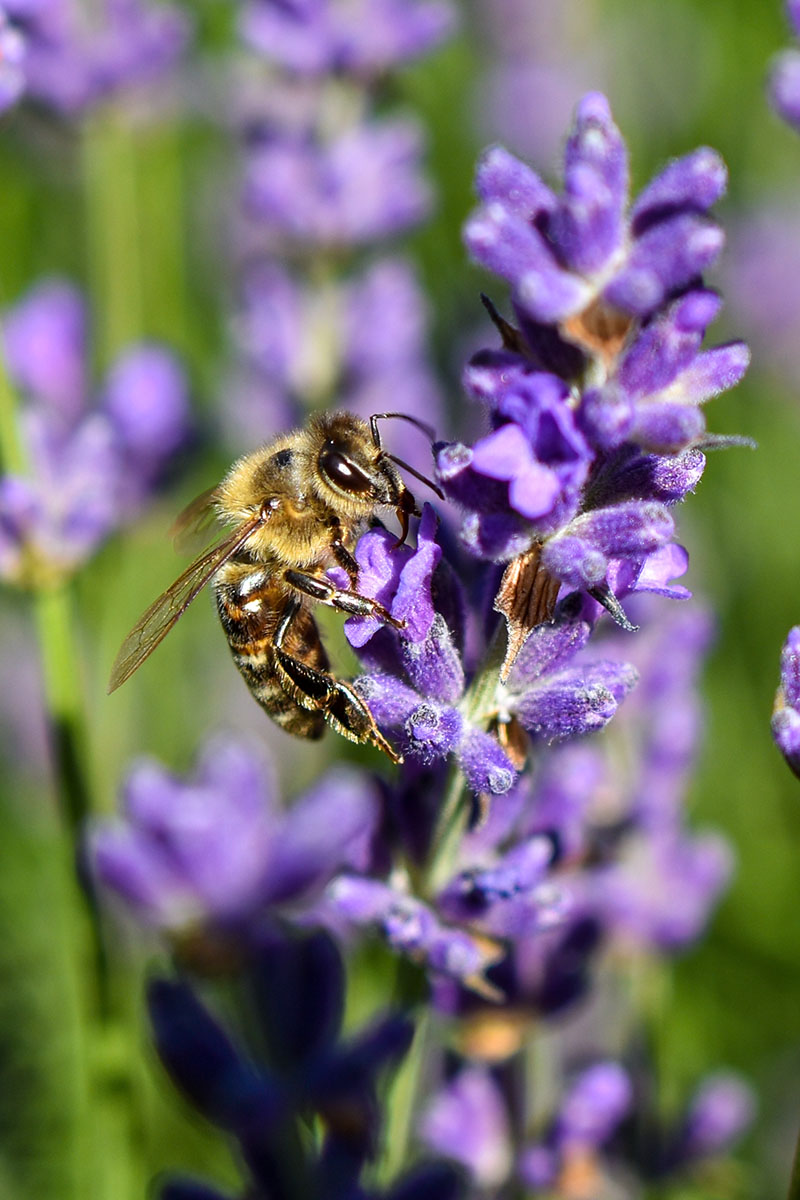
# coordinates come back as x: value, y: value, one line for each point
x: 298, y: 506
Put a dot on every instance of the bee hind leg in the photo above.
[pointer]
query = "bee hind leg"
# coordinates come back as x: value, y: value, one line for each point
x: 338, y: 702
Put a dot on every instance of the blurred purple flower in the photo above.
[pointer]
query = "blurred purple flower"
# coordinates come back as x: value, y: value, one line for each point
x: 13, y: 55
x: 73, y: 62
x: 360, y: 37
x: 217, y: 851
x: 467, y: 1121
x: 91, y: 467
x: 360, y: 186
x: 361, y: 339
x: 784, y: 81
x: 720, y: 1112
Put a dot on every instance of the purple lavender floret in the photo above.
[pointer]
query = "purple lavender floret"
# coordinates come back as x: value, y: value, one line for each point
x: 562, y: 254
x: 91, y: 465
x: 364, y: 39
x: 786, y: 713
x: 720, y: 1112
x: 13, y: 55
x: 467, y: 1122
x: 72, y: 65
x: 216, y: 852
x: 654, y: 396
x: 360, y: 186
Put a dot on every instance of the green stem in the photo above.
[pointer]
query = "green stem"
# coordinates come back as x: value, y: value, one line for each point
x: 12, y: 450
x: 113, y: 232
x: 402, y: 1103
x: 55, y: 626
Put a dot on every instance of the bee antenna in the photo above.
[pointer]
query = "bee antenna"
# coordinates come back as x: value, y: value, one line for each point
x: 417, y: 474
x: 428, y: 430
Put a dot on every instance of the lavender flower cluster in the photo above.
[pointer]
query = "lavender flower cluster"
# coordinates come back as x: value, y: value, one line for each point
x: 518, y: 865
x: 324, y: 181
x: 61, y: 55
x: 91, y: 461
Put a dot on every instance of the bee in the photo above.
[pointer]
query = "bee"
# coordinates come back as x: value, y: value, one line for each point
x: 297, y: 506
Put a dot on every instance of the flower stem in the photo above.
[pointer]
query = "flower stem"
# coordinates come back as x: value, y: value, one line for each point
x: 12, y: 451
x: 112, y: 224
x: 403, y: 1102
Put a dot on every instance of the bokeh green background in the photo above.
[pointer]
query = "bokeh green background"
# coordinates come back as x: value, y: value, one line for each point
x: 135, y: 214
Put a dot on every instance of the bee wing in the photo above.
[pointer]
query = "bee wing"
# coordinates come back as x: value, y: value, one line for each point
x: 154, y: 624
x: 190, y: 525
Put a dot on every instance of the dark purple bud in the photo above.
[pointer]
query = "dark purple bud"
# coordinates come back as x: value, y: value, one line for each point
x: 204, y: 1063
x: 434, y: 1181
x: 187, y: 1189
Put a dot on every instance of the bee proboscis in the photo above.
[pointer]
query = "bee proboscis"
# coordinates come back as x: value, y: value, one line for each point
x: 298, y: 506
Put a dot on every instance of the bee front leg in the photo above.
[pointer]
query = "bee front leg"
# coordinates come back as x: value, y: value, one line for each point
x: 313, y: 689
x: 351, y: 602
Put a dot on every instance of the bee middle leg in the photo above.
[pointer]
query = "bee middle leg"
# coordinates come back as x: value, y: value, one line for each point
x: 317, y: 690
x: 325, y: 592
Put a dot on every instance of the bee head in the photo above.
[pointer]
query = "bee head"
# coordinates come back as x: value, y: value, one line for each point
x: 353, y: 470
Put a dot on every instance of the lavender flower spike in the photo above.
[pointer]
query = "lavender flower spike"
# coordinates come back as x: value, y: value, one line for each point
x: 561, y: 254
x: 786, y: 713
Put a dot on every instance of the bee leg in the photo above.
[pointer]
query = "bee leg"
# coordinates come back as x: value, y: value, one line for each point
x: 340, y: 704
x: 325, y: 592
x: 343, y: 555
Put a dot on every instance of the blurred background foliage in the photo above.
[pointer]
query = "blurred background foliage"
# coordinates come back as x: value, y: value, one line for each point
x: 136, y: 212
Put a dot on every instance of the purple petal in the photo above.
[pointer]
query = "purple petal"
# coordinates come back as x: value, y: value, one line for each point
x: 432, y: 732
x: 666, y: 257
x: 548, y: 647
x: 389, y: 700
x: 695, y: 181
x: 413, y: 602
x: 486, y: 766
x: 667, y: 427
x: 45, y: 340
x: 784, y: 86
x: 576, y: 701
x: 720, y: 1112
x: 502, y: 177
x: 434, y: 666
x: 588, y: 224
x: 595, y: 1105
x: 467, y: 1122
x: 326, y: 829
x: 146, y: 396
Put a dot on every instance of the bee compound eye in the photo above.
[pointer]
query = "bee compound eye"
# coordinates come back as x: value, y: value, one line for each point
x: 342, y: 471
